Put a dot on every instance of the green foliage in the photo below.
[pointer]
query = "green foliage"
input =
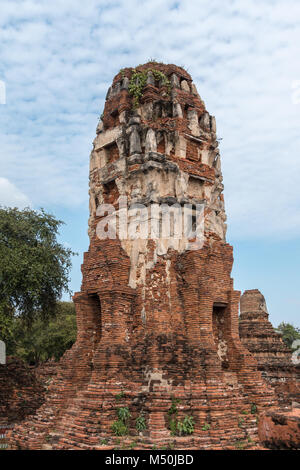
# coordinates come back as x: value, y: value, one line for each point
x: 34, y: 267
x: 136, y: 85
x: 176, y: 426
x: 186, y: 427
x: 44, y: 339
x: 160, y: 76
x: 119, y: 427
x: 6, y: 321
x: 182, y: 427
x: 173, y: 408
x: 289, y: 333
x: 123, y: 414
x: 173, y: 426
x: 138, y: 81
x: 140, y: 423
x: 239, y: 445
x: 253, y: 408
x: 206, y: 427
x: 120, y: 395
x: 241, y: 422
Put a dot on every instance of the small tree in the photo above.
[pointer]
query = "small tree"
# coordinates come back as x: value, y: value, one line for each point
x: 289, y: 333
x: 44, y: 339
x: 34, y: 266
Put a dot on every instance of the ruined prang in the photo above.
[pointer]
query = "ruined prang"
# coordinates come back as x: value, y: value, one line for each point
x: 274, y: 358
x: 158, y: 334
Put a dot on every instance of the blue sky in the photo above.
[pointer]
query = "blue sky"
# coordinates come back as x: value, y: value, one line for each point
x: 57, y: 60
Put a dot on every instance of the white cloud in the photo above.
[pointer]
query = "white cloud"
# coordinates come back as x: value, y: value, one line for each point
x: 58, y: 58
x: 11, y: 196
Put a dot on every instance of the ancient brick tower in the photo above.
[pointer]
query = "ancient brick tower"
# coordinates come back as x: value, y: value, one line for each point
x: 272, y: 355
x: 156, y: 320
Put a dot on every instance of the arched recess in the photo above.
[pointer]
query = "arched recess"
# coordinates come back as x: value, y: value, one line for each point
x: 220, y: 332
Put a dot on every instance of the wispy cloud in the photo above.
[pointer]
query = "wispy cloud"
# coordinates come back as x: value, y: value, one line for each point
x: 58, y: 58
x: 11, y: 196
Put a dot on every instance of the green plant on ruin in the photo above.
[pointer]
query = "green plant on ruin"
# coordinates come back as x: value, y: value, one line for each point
x: 173, y: 426
x: 253, y: 408
x: 120, y: 395
x: 173, y: 409
x: 123, y: 414
x: 206, y: 427
x: 186, y: 426
x: 178, y: 427
x: 241, y: 422
x: 132, y: 445
x: 138, y: 81
x: 239, y: 445
x: 183, y: 427
x: 160, y: 76
x: 172, y: 420
x: 244, y: 412
x: 103, y: 442
x: 120, y: 427
x: 140, y: 423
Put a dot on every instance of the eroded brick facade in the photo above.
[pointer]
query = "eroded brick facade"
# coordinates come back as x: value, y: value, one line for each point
x: 156, y: 320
